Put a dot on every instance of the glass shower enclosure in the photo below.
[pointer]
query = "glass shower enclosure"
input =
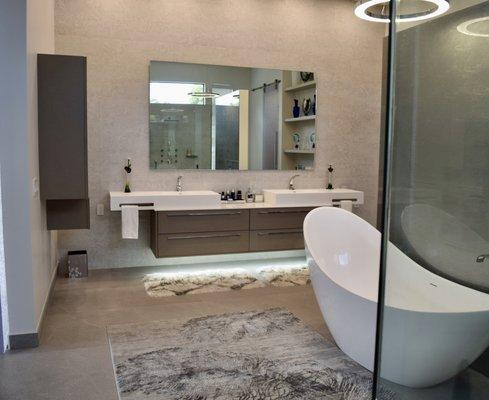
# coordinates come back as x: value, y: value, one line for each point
x: 433, y: 315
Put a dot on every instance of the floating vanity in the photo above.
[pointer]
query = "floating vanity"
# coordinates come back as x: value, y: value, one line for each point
x: 198, y: 223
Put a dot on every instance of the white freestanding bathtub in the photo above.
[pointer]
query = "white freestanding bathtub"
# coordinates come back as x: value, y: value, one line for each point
x: 433, y: 328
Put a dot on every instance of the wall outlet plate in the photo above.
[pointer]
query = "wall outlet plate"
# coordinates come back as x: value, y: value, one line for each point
x: 35, y: 187
x: 100, y: 209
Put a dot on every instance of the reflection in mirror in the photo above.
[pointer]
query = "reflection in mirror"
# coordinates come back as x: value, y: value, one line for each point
x: 219, y: 117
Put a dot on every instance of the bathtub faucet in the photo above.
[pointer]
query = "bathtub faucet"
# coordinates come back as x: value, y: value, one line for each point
x: 482, y: 258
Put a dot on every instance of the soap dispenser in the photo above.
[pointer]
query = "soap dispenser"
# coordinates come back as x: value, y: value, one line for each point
x: 128, y: 169
x: 330, y: 177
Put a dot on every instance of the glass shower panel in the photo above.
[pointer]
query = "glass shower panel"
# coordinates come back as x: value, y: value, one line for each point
x: 227, y: 127
x: 434, y: 327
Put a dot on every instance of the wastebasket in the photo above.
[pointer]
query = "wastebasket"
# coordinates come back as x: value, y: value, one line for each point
x: 77, y: 264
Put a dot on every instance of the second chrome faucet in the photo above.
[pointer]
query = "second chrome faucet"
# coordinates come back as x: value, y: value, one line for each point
x: 179, y: 187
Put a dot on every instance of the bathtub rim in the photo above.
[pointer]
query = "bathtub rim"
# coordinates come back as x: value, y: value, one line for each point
x: 433, y: 308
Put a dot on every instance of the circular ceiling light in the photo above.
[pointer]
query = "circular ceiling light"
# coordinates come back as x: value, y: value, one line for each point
x: 464, y: 27
x: 408, y: 11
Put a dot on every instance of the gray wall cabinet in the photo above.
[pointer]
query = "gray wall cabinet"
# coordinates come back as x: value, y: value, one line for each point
x: 62, y: 109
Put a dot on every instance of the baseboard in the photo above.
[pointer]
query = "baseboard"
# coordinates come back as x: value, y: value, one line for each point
x: 31, y: 340
x: 23, y: 341
x: 40, y: 324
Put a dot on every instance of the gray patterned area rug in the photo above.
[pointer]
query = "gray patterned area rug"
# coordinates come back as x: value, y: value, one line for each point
x: 181, y: 283
x: 258, y: 355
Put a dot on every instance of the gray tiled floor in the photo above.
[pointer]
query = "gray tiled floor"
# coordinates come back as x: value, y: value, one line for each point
x: 73, y: 361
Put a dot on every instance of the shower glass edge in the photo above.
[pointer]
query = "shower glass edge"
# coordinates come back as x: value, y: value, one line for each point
x: 433, y: 306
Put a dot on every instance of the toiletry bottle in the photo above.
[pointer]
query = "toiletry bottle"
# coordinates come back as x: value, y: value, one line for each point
x: 249, y: 196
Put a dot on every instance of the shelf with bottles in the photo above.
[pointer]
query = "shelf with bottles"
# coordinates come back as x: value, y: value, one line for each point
x: 301, y: 119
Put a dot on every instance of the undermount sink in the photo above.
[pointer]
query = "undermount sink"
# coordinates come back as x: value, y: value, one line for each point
x: 311, y: 197
x: 168, y: 200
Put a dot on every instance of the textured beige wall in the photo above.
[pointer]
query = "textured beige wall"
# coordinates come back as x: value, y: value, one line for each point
x: 120, y: 37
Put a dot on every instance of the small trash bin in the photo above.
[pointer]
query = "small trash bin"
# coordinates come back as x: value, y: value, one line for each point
x: 77, y: 264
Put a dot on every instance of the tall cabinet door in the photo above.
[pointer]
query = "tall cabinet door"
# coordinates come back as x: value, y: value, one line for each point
x: 62, y: 105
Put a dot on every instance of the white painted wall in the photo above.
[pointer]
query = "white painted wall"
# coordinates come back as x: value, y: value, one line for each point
x: 40, y: 39
x: 4, y: 328
x: 14, y: 157
x: 26, y: 28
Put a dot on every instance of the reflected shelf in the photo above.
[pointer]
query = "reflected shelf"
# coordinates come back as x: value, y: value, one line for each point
x: 297, y: 151
x: 299, y: 119
x: 305, y: 85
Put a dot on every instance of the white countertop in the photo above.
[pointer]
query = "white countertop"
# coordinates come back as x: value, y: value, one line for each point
x: 209, y: 200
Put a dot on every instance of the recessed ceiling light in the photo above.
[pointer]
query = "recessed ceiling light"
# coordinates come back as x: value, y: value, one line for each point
x: 464, y: 27
x: 378, y: 10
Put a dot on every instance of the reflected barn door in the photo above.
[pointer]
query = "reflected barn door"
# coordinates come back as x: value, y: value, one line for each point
x: 270, y: 127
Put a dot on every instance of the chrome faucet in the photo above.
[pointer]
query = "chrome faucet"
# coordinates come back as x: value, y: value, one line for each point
x: 179, y: 184
x: 482, y: 258
x: 291, y: 182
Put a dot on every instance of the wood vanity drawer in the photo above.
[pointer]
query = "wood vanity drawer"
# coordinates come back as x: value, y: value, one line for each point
x: 189, y: 244
x: 282, y: 239
x: 202, y: 221
x: 278, y: 218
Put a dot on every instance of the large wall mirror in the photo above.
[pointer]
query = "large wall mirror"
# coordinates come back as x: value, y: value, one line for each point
x: 218, y: 117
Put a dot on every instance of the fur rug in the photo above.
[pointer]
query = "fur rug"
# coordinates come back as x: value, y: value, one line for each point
x: 257, y: 355
x: 177, y: 284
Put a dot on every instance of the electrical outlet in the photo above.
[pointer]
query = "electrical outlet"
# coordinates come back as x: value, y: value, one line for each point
x: 35, y: 187
x: 100, y: 209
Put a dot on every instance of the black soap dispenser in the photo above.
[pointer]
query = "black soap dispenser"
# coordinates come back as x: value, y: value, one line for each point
x: 128, y: 169
x: 330, y: 177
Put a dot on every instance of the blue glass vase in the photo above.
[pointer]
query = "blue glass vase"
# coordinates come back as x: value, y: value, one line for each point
x: 296, y: 110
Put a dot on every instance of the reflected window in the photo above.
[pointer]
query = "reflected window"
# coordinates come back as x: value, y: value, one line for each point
x: 175, y: 93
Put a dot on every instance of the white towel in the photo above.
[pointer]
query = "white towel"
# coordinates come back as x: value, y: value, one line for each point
x: 130, y: 222
x: 346, y: 205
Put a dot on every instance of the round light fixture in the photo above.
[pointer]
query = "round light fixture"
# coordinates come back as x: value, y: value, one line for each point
x: 408, y: 11
x: 464, y: 27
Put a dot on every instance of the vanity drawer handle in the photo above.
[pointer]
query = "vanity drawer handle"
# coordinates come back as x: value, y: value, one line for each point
x: 279, y: 233
x: 137, y: 204
x: 338, y: 200
x: 204, y: 236
x: 202, y: 214
x: 282, y: 212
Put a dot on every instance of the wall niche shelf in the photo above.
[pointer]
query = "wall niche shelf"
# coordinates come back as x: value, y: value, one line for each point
x: 297, y: 151
x: 299, y: 119
x: 305, y: 85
